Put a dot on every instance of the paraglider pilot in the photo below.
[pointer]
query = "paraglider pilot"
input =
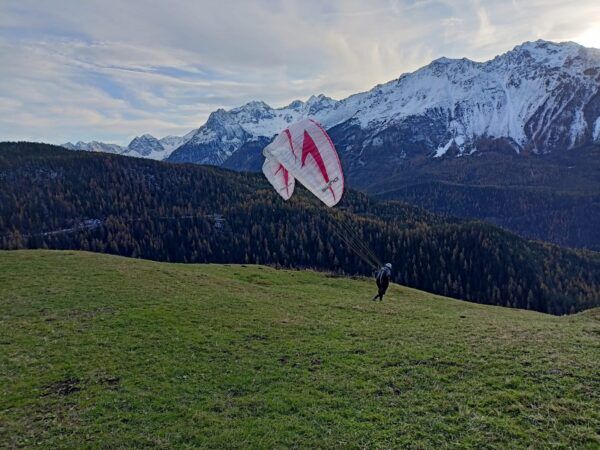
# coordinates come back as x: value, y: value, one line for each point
x: 383, y: 280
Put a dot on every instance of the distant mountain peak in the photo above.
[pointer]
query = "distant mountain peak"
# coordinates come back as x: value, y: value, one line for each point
x: 542, y: 44
x: 95, y: 146
x: 445, y: 60
x: 255, y: 104
x: 296, y: 104
x: 145, y: 145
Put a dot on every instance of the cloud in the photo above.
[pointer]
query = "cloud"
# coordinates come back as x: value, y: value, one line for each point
x: 111, y: 70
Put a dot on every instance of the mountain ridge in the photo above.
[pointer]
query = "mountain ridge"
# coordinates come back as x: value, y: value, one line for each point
x: 454, y: 103
x: 144, y: 146
x: 514, y: 100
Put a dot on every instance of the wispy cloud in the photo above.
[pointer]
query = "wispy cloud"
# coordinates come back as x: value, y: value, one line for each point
x: 108, y: 69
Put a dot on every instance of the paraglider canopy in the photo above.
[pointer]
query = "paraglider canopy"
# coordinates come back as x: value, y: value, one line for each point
x: 305, y: 152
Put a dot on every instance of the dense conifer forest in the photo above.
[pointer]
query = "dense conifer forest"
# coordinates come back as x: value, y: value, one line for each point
x: 54, y: 198
x: 552, y: 197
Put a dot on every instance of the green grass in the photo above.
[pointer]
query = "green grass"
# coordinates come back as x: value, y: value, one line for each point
x: 103, y: 351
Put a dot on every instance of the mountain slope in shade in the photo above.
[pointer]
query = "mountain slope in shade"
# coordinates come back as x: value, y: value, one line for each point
x: 553, y: 197
x: 145, y: 145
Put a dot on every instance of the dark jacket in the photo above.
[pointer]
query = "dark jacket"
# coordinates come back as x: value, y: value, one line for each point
x: 383, y: 279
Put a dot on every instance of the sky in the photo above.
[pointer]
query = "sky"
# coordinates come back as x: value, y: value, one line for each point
x: 109, y: 70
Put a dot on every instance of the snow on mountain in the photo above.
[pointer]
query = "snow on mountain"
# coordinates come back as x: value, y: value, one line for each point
x: 170, y: 143
x: 145, y: 146
x: 214, y: 142
x: 539, y: 97
x: 225, y: 132
x: 95, y: 146
x: 596, y: 134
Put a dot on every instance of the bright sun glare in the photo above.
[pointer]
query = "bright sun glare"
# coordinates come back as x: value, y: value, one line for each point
x: 590, y: 37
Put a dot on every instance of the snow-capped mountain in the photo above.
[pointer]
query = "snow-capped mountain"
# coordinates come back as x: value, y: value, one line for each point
x: 225, y: 132
x: 537, y: 98
x: 145, y: 146
x: 95, y: 146
x: 541, y: 96
x: 170, y: 143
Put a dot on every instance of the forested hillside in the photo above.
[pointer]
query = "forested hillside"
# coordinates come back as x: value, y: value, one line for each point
x: 553, y: 197
x: 53, y: 198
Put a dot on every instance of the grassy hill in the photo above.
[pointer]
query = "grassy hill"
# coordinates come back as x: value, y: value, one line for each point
x: 104, y: 351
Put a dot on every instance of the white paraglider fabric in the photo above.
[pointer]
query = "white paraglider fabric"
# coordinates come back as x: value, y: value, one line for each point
x: 308, y: 154
x: 279, y: 177
x: 305, y: 152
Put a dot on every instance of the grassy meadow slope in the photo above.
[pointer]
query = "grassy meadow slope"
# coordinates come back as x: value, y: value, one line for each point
x: 104, y: 351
